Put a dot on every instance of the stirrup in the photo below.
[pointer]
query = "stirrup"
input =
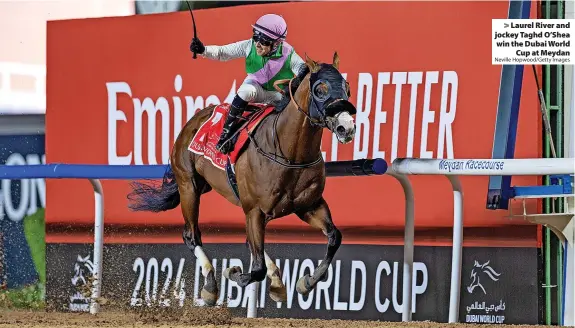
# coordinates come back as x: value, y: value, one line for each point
x: 222, y: 140
x: 225, y: 147
x: 225, y: 136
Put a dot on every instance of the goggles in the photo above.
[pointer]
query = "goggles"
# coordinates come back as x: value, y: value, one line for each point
x: 263, y: 39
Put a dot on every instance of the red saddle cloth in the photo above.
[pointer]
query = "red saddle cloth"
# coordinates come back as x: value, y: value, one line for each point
x: 205, y: 140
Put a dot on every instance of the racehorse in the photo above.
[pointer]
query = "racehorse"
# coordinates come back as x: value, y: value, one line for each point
x: 270, y: 185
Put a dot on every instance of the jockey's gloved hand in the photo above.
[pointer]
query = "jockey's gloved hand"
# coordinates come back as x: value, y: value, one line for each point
x: 197, y: 46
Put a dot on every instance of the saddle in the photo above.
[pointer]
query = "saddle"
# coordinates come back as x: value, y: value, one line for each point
x: 204, y: 141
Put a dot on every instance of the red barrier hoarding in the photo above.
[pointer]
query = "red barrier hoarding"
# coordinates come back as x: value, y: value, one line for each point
x: 420, y: 76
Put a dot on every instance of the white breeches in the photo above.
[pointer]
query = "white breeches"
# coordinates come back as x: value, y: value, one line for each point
x: 253, y: 92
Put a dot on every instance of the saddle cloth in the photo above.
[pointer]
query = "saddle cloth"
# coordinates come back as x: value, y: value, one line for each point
x: 205, y: 140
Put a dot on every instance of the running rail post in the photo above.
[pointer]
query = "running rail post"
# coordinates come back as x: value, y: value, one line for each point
x: 98, y: 245
x: 408, y: 245
x: 252, y: 291
x: 457, y: 248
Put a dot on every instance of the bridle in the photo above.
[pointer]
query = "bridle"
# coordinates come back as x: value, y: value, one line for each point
x: 312, y: 121
x: 281, y: 159
x: 323, y: 121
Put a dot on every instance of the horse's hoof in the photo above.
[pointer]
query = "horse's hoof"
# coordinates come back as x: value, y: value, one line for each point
x: 302, y: 285
x: 232, y: 270
x: 209, y: 298
x: 278, y: 294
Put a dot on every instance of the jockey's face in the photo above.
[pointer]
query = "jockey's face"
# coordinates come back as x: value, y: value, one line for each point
x: 263, y: 50
x: 264, y: 44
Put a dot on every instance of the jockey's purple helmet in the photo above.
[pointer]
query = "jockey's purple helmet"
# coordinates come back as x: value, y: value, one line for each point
x: 272, y: 25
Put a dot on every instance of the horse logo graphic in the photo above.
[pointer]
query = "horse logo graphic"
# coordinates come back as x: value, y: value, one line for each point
x: 82, y: 266
x: 479, y: 269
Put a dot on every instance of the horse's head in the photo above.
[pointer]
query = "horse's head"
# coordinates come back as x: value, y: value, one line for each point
x: 324, y: 99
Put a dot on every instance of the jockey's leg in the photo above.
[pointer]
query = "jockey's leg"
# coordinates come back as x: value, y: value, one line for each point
x: 265, y: 96
x: 236, y: 111
x: 247, y: 92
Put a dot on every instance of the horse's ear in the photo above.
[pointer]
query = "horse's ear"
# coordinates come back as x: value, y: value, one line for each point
x: 313, y: 66
x: 335, y: 60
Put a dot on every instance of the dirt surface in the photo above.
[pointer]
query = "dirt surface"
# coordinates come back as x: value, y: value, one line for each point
x: 190, y: 318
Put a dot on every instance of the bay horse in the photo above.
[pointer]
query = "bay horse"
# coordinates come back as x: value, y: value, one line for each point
x: 270, y: 186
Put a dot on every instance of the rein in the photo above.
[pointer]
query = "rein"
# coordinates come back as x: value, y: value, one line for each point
x: 292, y: 99
x: 285, y: 162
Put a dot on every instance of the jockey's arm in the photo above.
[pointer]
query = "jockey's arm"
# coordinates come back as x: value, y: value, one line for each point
x: 226, y: 52
x: 297, y: 63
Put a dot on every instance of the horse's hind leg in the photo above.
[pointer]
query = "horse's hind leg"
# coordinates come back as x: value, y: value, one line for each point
x: 319, y: 216
x: 190, y: 192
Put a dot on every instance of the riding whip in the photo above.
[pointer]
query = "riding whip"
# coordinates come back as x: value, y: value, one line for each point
x: 194, y: 23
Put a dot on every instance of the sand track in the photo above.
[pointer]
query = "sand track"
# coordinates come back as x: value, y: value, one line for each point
x: 190, y: 318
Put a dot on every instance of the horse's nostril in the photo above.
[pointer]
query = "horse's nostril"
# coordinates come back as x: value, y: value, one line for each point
x: 340, y: 129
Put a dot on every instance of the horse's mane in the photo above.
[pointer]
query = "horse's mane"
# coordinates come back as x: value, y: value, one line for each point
x: 285, y: 100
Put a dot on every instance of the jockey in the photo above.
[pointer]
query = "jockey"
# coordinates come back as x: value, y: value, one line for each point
x: 268, y: 58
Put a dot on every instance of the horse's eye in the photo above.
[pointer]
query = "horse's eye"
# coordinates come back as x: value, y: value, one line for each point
x: 320, y: 90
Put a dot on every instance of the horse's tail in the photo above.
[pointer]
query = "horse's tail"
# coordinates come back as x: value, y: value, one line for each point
x: 153, y: 197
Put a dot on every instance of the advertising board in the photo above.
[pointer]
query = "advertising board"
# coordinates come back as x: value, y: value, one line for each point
x: 364, y: 282
x: 22, y: 204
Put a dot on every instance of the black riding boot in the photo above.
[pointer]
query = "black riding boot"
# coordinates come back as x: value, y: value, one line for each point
x: 224, y: 145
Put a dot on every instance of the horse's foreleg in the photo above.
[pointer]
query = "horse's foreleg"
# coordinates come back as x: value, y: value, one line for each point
x: 190, y: 203
x: 278, y: 290
x: 255, y: 228
x: 319, y: 217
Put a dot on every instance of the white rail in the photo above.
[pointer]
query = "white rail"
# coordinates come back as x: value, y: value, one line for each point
x: 452, y: 168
